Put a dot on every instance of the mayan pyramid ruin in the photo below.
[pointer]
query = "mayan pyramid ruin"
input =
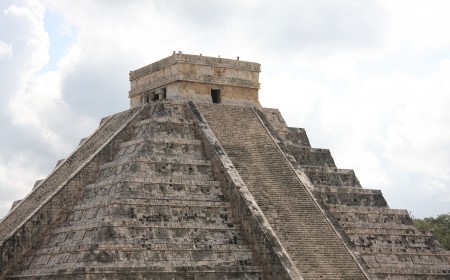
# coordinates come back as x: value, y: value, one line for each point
x: 198, y: 181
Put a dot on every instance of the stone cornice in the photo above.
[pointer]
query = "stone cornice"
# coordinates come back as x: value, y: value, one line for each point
x: 197, y: 60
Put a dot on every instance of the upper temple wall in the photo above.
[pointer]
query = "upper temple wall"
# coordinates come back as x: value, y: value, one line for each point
x: 196, y: 77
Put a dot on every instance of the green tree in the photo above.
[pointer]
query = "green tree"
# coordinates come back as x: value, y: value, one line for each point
x: 440, y: 227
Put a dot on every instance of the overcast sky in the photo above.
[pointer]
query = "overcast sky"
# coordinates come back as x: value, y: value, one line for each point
x: 369, y: 80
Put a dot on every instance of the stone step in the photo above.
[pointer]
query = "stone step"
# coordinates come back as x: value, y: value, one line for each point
x: 363, y: 230
x: 199, y: 272
x: 376, y: 241
x: 311, y: 157
x: 164, y: 246
x: 82, y: 141
x: 171, y: 120
x: 164, y: 125
x: 369, y: 210
x: 145, y: 213
x: 372, y: 225
x: 418, y: 258
x: 58, y: 163
x: 413, y: 272
x: 117, y: 223
x: 152, y: 159
x: 385, y: 218
x: 366, y: 252
x: 165, y: 173
x: 37, y: 183
x: 416, y: 250
x: 165, y: 109
x: 347, y: 189
x: 148, y: 258
x: 350, y: 196
x: 167, y: 150
x: 153, y: 202
x: 105, y: 195
x: 197, y: 195
x: 170, y: 134
x: 151, y: 180
x: 161, y: 140
x: 154, y: 128
x: 206, y: 212
x: 328, y: 176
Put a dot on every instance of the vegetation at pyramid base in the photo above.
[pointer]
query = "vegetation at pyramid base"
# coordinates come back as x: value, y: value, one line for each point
x: 440, y: 227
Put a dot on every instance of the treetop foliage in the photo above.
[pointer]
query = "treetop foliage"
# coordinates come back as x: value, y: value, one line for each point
x: 440, y: 226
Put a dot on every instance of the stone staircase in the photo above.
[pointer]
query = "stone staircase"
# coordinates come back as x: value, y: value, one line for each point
x: 155, y: 211
x: 307, y: 236
x: 386, y: 238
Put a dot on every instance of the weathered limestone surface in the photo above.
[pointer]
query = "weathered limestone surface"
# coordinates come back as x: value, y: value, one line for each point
x: 154, y: 211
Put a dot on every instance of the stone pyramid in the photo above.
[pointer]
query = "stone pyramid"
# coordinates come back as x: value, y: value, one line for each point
x: 198, y: 181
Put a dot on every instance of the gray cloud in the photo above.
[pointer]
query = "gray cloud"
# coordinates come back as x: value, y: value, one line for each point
x: 96, y: 92
x: 310, y: 71
x: 291, y: 26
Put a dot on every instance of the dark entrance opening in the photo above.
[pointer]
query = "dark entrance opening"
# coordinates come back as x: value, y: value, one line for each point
x: 215, y: 95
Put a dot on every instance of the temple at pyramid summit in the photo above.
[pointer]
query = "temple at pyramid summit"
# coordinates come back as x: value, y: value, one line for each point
x: 198, y: 181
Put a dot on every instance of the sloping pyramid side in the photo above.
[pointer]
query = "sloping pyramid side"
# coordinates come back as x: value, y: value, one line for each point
x: 154, y: 210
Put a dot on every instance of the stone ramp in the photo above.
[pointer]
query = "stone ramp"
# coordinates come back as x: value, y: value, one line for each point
x: 305, y: 233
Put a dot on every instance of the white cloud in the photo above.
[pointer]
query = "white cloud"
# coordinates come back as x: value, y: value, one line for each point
x: 33, y: 14
x: 6, y: 50
x: 39, y: 101
x: 17, y: 177
x: 32, y: 111
x: 419, y: 25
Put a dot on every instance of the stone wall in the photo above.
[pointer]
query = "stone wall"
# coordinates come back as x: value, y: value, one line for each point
x: 201, y: 92
x: 192, y: 77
